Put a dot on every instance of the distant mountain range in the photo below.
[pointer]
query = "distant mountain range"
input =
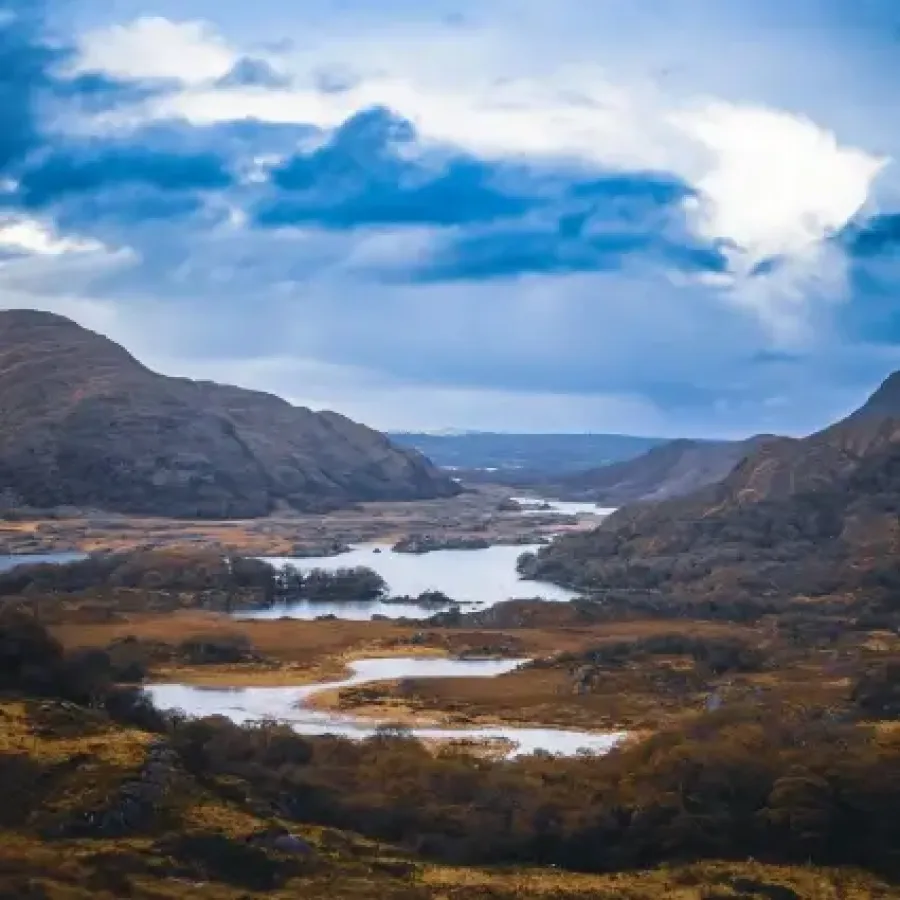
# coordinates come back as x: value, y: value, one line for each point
x: 522, y: 458
x: 84, y: 424
x: 609, y: 469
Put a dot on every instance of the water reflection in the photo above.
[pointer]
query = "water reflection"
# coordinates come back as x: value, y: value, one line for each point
x: 25, y: 559
x: 481, y: 578
x: 562, y: 507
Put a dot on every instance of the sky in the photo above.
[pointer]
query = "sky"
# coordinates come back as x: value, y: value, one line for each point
x: 672, y: 217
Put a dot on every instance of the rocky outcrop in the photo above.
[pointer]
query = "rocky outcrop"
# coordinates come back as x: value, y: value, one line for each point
x: 86, y: 425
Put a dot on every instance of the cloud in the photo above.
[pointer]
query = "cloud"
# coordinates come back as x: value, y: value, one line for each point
x: 763, y: 189
x: 23, y: 235
x: 157, y: 48
x: 369, y: 173
x: 251, y: 72
x: 536, y: 242
x: 499, y: 219
x: 871, y: 245
x: 874, y: 236
x: 25, y: 60
x: 756, y: 171
x: 91, y: 168
x: 96, y: 92
x: 599, y: 224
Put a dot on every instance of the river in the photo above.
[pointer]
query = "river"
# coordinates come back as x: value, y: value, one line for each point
x: 291, y: 706
x: 479, y: 577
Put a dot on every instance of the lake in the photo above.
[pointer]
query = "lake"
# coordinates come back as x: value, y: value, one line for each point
x: 563, y: 507
x: 482, y: 578
x: 24, y: 559
x: 290, y: 705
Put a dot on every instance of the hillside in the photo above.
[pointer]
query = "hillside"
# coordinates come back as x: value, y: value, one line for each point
x: 670, y: 470
x: 106, y: 797
x: 86, y: 425
x: 523, y: 458
x: 817, y: 515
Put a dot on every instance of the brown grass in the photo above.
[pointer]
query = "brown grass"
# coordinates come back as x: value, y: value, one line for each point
x: 638, y: 695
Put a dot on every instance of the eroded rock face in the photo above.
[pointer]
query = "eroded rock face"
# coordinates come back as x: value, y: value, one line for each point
x: 86, y: 425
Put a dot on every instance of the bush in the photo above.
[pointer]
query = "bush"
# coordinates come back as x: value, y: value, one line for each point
x: 877, y: 693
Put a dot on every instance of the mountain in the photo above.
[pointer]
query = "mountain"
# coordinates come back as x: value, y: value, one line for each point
x: 86, y: 425
x: 523, y: 458
x: 815, y: 515
x: 670, y: 470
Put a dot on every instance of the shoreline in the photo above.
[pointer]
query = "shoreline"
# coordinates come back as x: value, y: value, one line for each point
x: 475, y: 515
x: 486, y: 735
x: 387, y: 710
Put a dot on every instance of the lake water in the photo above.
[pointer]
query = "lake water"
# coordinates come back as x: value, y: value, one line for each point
x: 24, y: 559
x: 290, y: 705
x: 564, y: 507
x: 478, y: 577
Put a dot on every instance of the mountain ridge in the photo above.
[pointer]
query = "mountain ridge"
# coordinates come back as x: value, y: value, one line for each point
x: 86, y: 424
x: 812, y: 515
x: 669, y: 470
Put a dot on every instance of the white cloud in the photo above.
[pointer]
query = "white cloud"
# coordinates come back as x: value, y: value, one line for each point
x: 771, y: 182
x: 774, y: 183
x: 154, y: 47
x: 27, y: 235
x: 793, y: 300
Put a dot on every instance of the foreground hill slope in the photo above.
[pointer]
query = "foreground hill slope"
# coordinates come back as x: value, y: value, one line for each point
x: 817, y: 514
x: 106, y: 797
x: 85, y: 424
x: 671, y: 470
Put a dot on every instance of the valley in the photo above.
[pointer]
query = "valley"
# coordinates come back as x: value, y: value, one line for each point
x: 476, y: 514
x: 480, y: 690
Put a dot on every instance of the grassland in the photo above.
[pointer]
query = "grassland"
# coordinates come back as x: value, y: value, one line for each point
x: 571, y: 685
x: 80, y: 759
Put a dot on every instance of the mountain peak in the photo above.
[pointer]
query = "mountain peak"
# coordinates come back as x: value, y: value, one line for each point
x: 86, y: 425
x: 885, y: 401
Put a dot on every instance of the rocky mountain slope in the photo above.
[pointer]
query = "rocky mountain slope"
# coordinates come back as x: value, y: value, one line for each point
x: 84, y: 424
x: 676, y: 468
x: 817, y: 515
